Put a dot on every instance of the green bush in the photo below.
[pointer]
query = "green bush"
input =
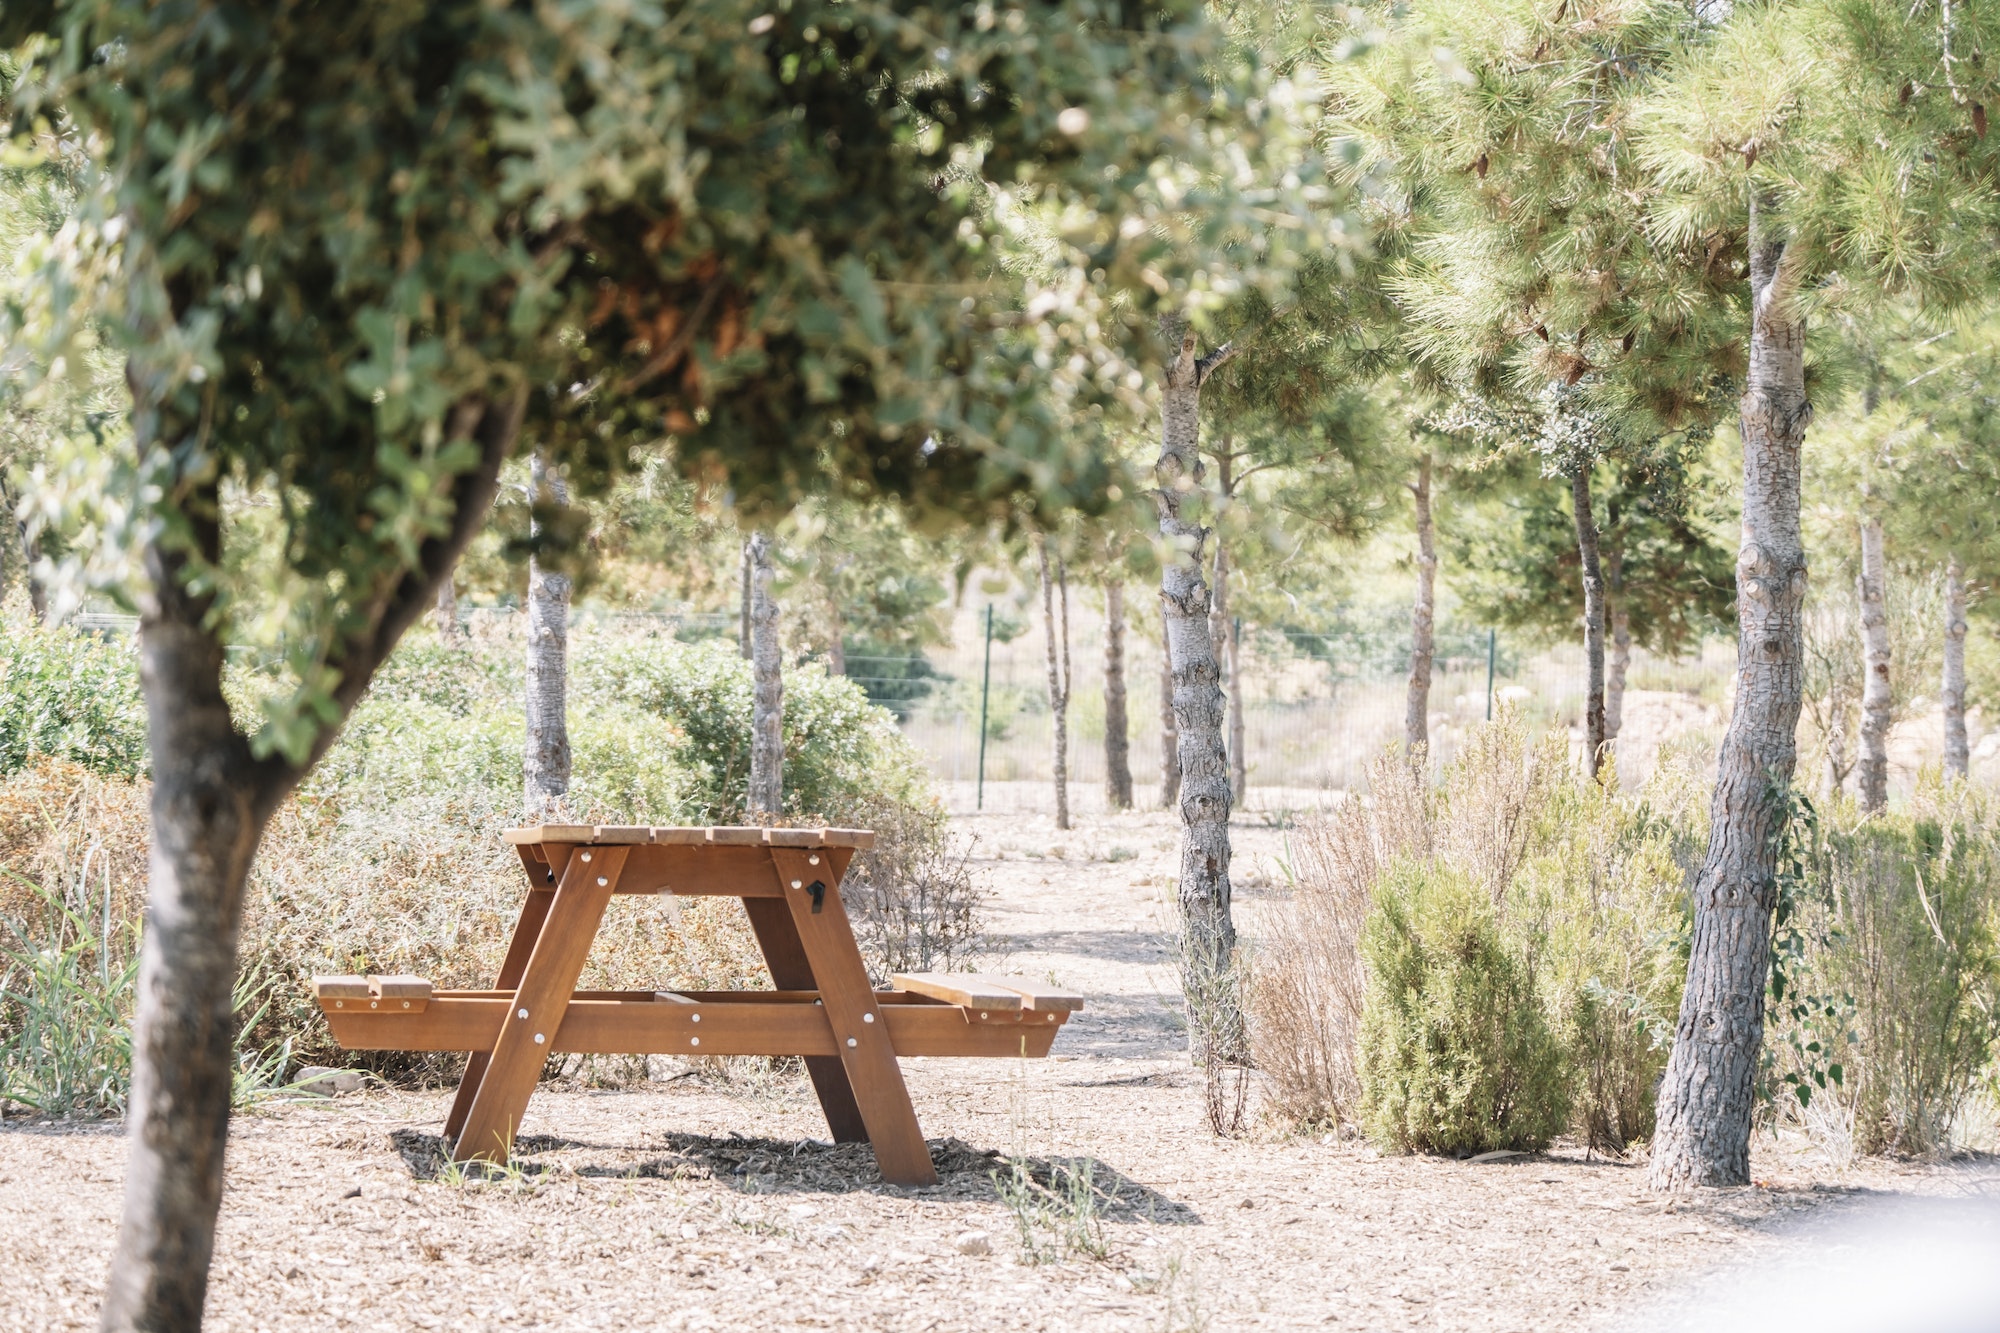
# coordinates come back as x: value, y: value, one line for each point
x: 71, y: 695
x: 1455, y: 1053
x: 1893, y: 1008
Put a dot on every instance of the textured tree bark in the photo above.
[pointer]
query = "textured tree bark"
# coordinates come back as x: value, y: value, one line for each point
x: 445, y: 615
x: 1417, y: 707
x: 1117, y: 731
x: 1876, y: 699
x: 1223, y: 627
x: 1703, y: 1132
x: 1837, y: 762
x: 1621, y: 645
x: 1055, y: 626
x: 744, y: 579
x: 1593, y: 617
x: 1170, y: 741
x: 1208, y: 931
x: 545, y: 760
x: 767, y: 691
x: 211, y: 801
x: 31, y: 555
x: 1951, y: 694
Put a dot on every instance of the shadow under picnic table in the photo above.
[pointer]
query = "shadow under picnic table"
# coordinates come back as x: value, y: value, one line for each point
x: 804, y: 1166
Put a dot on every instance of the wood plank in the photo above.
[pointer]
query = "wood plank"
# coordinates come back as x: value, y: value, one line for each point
x: 638, y: 1025
x: 960, y: 988
x: 527, y: 929
x: 682, y: 837
x: 795, y: 837
x: 400, y: 987
x: 778, y: 938
x: 538, y: 835
x: 523, y: 1044
x: 736, y: 836
x: 1034, y: 994
x: 612, y: 834
x: 550, y: 833
x: 811, y: 886
x: 327, y: 989
x: 706, y: 871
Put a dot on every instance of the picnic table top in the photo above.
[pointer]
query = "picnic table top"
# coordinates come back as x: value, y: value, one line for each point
x: 625, y: 835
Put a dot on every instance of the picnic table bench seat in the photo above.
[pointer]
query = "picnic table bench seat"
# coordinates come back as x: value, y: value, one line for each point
x: 822, y: 1008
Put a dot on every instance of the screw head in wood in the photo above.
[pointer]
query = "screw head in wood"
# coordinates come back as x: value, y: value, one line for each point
x: 586, y: 856
x: 852, y: 1042
x: 868, y: 1018
x: 1052, y: 1018
x: 406, y: 1004
x: 340, y: 1004
x: 813, y: 860
x: 694, y: 1018
x: 694, y: 1041
x: 374, y: 1004
x: 798, y: 884
x: 538, y: 1039
x: 984, y: 1014
x: 602, y: 881
x: 523, y: 1013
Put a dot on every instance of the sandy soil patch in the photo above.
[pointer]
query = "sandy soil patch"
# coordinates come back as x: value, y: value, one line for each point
x: 691, y: 1204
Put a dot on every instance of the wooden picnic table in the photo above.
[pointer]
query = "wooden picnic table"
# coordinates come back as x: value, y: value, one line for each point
x: 822, y: 1009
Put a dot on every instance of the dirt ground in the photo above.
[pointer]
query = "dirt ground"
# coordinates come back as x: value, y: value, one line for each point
x: 697, y: 1203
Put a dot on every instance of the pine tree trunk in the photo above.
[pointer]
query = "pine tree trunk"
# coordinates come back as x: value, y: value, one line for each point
x: 1593, y: 618
x: 767, y: 698
x: 1208, y: 930
x: 1621, y: 645
x: 836, y: 640
x: 1117, y: 732
x: 445, y: 616
x: 545, y: 760
x: 1957, y: 750
x: 211, y: 801
x: 1417, y: 707
x: 1055, y: 626
x: 1707, y: 1094
x: 1836, y: 741
x: 1873, y: 776
x: 1170, y: 741
x: 744, y: 579
x: 1223, y: 627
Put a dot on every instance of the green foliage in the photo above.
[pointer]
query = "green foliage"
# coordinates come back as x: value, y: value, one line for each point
x: 839, y: 750
x: 1456, y: 1054
x: 72, y: 695
x: 66, y: 989
x: 1892, y: 1001
x: 1058, y: 1208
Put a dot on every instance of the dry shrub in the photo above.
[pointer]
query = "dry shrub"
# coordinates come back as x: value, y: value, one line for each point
x: 912, y: 897
x: 61, y: 824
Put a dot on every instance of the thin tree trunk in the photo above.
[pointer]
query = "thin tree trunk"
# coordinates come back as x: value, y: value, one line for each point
x: 1593, y: 617
x: 445, y: 616
x: 1208, y: 931
x: 1875, y: 695
x: 767, y: 707
x: 1223, y: 627
x: 1417, y: 707
x: 744, y: 578
x: 1621, y: 646
x: 1170, y: 741
x: 836, y: 640
x: 1117, y: 738
x: 31, y: 555
x: 1055, y: 625
x: 1708, y: 1092
x: 1837, y: 763
x: 1957, y: 750
x: 211, y: 801
x: 545, y: 760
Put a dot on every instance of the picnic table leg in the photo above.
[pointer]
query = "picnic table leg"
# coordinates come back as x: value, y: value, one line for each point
x: 527, y: 930
x: 771, y: 922
x: 540, y: 1001
x: 811, y: 884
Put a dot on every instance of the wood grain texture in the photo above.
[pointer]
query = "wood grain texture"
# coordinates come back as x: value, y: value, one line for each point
x: 545, y: 990
x: 527, y: 929
x: 962, y: 989
x: 861, y: 1037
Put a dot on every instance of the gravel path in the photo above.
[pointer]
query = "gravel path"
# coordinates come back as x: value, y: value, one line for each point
x: 693, y: 1204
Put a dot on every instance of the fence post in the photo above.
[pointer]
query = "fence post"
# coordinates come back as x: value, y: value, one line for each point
x: 985, y: 685
x: 1491, y: 640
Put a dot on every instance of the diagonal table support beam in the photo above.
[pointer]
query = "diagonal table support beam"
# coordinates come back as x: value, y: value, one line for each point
x: 810, y: 883
x: 539, y: 1002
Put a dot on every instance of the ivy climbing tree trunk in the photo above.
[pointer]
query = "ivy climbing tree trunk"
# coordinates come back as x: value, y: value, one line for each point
x: 1208, y: 931
x: 1117, y: 731
x: 1951, y: 693
x: 1055, y: 625
x: 212, y: 797
x: 1170, y: 741
x: 1423, y: 617
x: 1708, y: 1091
x: 766, y: 796
x: 545, y: 760
x: 1872, y: 776
x: 1593, y: 617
